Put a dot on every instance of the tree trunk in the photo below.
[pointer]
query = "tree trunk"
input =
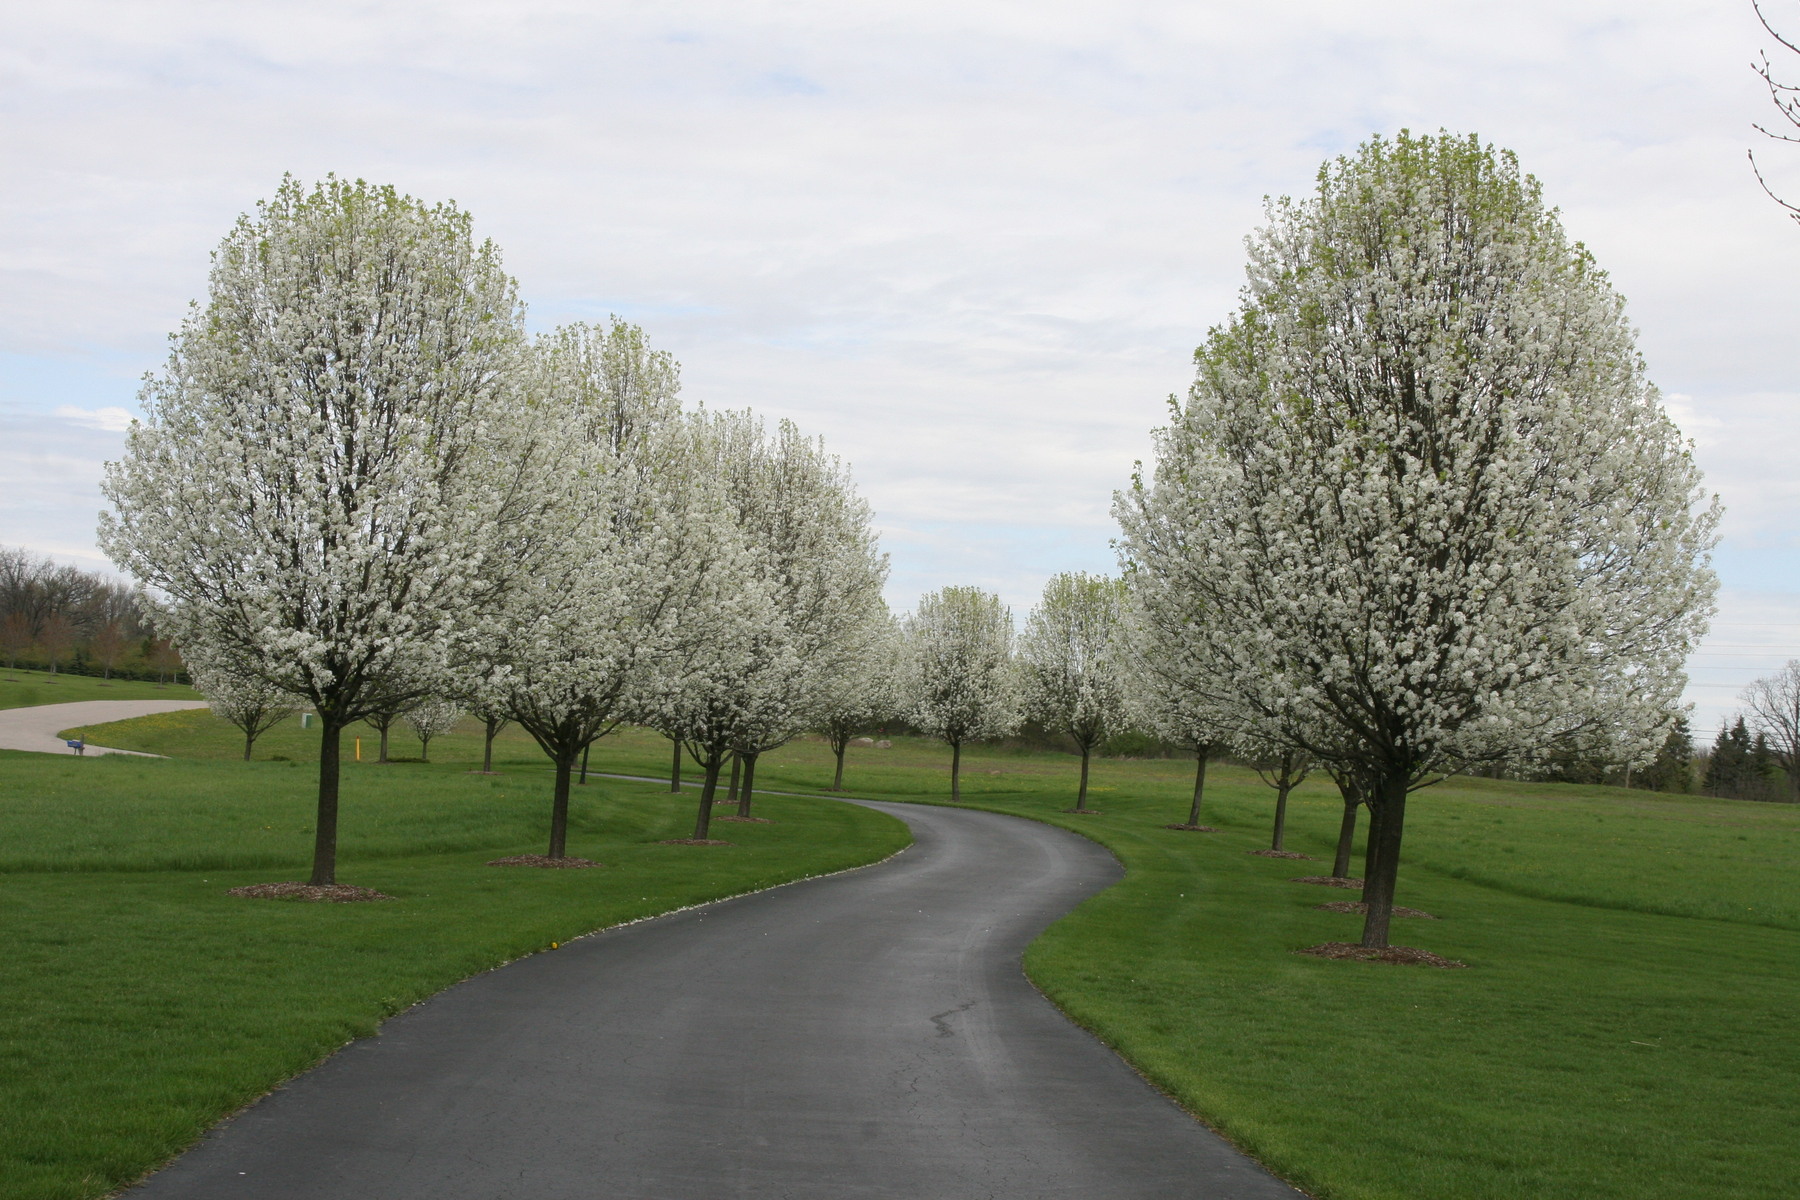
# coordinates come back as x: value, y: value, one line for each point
x: 1081, y: 793
x: 559, y: 807
x: 1201, y: 754
x: 324, y: 870
x: 1386, y: 822
x: 675, y: 767
x: 703, y: 823
x: 737, y: 771
x: 1281, y: 795
x: 837, y: 781
x: 584, y: 758
x: 1340, y: 866
x: 955, y: 772
x: 744, y: 795
x: 249, y: 743
x: 487, y: 749
x: 425, y: 749
x: 382, y: 757
x: 1372, y: 843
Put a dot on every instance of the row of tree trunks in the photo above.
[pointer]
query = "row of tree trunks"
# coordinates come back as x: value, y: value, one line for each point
x: 743, y: 797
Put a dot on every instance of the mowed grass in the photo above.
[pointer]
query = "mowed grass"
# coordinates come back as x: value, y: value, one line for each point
x: 142, y: 1003
x: 1624, y: 1028
x: 22, y: 689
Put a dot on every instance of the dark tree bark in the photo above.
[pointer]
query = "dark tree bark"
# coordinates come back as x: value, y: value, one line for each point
x: 559, y: 807
x: 745, y: 793
x: 249, y: 744
x: 1281, y: 795
x: 1081, y: 793
x: 584, y: 758
x: 737, y: 770
x: 494, y: 725
x: 1387, y: 819
x: 703, y: 822
x: 675, y: 767
x: 956, y: 772
x: 324, y: 869
x: 838, y: 746
x: 1201, y: 754
x: 1340, y: 866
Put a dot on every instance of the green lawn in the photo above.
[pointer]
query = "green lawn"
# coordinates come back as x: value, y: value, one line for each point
x: 21, y: 689
x: 1624, y: 1029
x: 142, y: 1003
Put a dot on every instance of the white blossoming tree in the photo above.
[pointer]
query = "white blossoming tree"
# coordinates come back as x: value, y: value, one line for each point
x: 429, y: 718
x: 1068, y: 658
x: 960, y: 682
x: 813, y: 548
x: 863, y: 691
x: 1421, y: 507
x: 646, y: 544
x: 1170, y: 687
x: 328, y: 482
x: 254, y: 705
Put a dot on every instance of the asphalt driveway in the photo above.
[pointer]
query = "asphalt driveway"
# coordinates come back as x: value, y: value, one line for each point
x: 869, y: 1034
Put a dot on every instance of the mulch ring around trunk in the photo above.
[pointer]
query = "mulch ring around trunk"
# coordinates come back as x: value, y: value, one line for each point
x: 1192, y: 828
x: 695, y: 841
x: 1083, y: 812
x: 1357, y: 906
x: 542, y: 860
x: 746, y: 820
x: 1329, y: 881
x: 1281, y: 854
x: 1400, y: 956
x: 334, y: 893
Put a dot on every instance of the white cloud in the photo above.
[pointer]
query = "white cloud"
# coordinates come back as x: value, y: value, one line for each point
x: 111, y: 419
x: 971, y: 244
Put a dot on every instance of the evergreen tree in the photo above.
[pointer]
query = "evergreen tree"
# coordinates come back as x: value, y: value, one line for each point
x: 1729, y: 769
x: 1672, y: 770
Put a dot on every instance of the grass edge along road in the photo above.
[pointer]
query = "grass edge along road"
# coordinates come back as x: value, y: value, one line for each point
x: 1596, y: 1047
x: 144, y: 1004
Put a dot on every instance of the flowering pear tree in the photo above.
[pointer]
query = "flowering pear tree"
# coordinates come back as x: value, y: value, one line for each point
x: 329, y: 486
x: 254, y: 705
x: 1169, y: 687
x: 863, y: 691
x: 1068, y: 659
x: 1284, y: 769
x: 646, y: 543
x: 813, y: 548
x: 429, y: 718
x: 960, y: 683
x: 1422, y: 510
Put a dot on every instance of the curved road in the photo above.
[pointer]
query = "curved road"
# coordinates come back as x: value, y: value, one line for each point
x: 36, y: 728
x: 864, y: 1035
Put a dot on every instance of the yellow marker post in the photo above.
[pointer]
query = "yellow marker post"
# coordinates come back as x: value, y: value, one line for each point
x: 358, y: 749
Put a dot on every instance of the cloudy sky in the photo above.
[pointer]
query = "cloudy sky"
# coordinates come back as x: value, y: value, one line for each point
x: 973, y: 244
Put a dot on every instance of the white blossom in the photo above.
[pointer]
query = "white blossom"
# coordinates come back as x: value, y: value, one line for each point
x: 253, y: 705
x: 960, y: 682
x: 429, y: 718
x: 1422, y: 510
x: 329, y: 484
x: 1073, y: 681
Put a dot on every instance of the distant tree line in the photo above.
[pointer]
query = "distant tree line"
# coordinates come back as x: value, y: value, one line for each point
x: 64, y: 620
